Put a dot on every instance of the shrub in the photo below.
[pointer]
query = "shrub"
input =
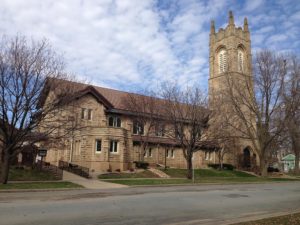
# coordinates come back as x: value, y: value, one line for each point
x: 272, y: 169
x: 141, y: 164
x: 226, y: 166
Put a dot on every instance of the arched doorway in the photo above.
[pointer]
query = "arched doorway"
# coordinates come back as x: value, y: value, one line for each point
x: 246, y: 158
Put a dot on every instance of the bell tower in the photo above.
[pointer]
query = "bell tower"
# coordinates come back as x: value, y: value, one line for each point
x: 229, y: 54
x: 230, y: 62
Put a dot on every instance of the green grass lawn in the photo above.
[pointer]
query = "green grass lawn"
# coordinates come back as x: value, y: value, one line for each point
x: 144, y: 174
x: 39, y: 185
x: 212, y: 180
x: 203, y: 173
x: 29, y: 175
x: 292, y: 219
x: 201, y: 176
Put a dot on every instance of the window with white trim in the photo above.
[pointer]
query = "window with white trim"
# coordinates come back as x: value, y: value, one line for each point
x: 98, y: 146
x: 222, y: 57
x: 114, y: 121
x: 113, y: 148
x: 86, y: 114
x: 208, y: 155
x: 138, y: 128
x: 170, y: 153
x: 240, y: 60
x: 77, y: 147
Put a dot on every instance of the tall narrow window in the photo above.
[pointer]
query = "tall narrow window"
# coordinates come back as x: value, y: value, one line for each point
x: 222, y: 61
x: 113, y: 146
x: 83, y: 113
x: 98, y: 146
x: 89, y: 114
x: 170, y: 153
x: 240, y: 60
x: 206, y: 155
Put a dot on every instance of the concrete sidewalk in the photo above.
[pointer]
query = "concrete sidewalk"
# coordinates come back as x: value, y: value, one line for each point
x: 89, y: 183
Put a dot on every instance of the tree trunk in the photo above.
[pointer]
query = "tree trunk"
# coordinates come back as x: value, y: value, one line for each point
x: 165, y: 158
x: 263, y: 168
x: 221, y: 164
x: 4, y: 169
x: 190, y: 168
x: 221, y: 159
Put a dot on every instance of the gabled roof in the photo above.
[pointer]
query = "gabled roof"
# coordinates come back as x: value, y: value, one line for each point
x: 92, y: 91
x: 289, y: 157
x: 112, y: 99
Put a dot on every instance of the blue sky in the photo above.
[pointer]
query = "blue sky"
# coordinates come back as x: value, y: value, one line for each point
x: 134, y: 44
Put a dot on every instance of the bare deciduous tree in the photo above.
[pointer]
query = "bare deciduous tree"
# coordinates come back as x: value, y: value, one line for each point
x: 27, y: 70
x: 291, y: 98
x: 145, y: 110
x: 255, y: 107
x: 187, y: 118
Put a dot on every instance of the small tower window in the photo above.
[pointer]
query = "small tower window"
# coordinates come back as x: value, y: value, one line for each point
x: 240, y: 60
x: 222, y: 61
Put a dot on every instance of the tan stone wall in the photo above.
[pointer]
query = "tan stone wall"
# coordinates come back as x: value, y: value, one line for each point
x: 160, y: 157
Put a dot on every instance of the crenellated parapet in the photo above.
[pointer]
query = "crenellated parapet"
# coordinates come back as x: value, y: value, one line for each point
x: 230, y: 30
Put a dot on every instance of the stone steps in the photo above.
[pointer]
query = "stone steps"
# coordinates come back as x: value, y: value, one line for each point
x: 159, y: 173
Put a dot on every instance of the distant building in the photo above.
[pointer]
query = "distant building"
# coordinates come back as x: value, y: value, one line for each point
x: 288, y: 162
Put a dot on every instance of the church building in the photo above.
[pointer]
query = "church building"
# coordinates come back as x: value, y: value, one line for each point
x: 109, y: 139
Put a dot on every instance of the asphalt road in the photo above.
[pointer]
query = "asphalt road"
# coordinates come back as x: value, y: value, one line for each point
x: 206, y: 204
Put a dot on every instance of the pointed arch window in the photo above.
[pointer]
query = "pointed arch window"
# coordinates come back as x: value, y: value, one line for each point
x: 240, y: 60
x: 222, y: 61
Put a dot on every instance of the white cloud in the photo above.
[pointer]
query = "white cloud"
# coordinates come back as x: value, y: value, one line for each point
x: 136, y: 43
x: 253, y: 4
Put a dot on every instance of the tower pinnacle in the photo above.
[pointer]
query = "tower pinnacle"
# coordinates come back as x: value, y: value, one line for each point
x: 246, y: 25
x: 212, y: 27
x: 231, y: 19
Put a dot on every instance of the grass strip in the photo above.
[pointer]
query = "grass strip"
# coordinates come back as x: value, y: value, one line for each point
x: 292, y: 219
x: 224, y: 180
x: 39, y: 185
x: 29, y: 175
x: 144, y: 174
x: 201, y: 173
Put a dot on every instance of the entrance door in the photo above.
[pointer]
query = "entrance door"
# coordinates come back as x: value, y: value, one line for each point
x: 247, y: 160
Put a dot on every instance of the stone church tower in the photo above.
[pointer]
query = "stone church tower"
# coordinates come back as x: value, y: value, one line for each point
x: 230, y: 57
x: 229, y: 53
